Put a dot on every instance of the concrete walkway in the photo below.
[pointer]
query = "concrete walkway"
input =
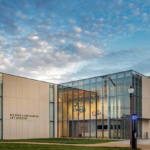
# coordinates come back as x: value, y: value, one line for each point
x: 143, y: 144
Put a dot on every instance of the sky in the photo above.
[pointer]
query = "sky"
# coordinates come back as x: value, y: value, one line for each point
x: 64, y: 40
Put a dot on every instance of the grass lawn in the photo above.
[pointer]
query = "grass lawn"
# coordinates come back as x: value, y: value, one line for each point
x: 13, y: 146
x: 62, y: 140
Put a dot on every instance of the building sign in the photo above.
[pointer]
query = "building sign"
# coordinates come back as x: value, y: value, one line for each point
x: 21, y: 116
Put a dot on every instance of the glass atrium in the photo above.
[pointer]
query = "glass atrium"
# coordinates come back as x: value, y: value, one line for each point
x: 99, y: 107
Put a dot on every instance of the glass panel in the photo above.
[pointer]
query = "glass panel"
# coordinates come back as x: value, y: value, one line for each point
x: 93, y: 100
x: 0, y: 129
x: 127, y: 105
x: 112, y: 89
x: 81, y: 110
x: 81, y: 113
x: 60, y: 129
x: 105, y: 100
x: 0, y: 107
x: 80, y: 94
x: 81, y: 128
x: 87, y: 108
x: 86, y: 81
x: 92, y: 80
x: 99, y: 128
x: 87, y: 128
x: 99, y: 79
x: 70, y: 84
x: 70, y: 130
x: 65, y: 95
x: 75, y: 94
x: 76, y: 128
x: 93, y: 128
x: 128, y: 82
x: 64, y: 128
x: 105, y: 128
x: 93, y: 108
x: 64, y: 111
x: 69, y: 94
x: 80, y: 83
x: 1, y: 85
x: 70, y: 111
x: 51, y: 93
x: 75, y: 109
x: 75, y: 84
x: 60, y: 111
x: 120, y: 84
x: 121, y: 106
x: 60, y: 95
x: 51, y: 111
x: 99, y: 107
x: 51, y: 129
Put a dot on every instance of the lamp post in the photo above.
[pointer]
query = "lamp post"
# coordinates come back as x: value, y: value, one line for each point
x: 131, y: 91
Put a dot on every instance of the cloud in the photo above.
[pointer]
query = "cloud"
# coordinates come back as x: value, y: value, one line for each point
x: 136, y: 12
x: 62, y: 41
x: 21, y: 15
x: 33, y: 37
x: 77, y: 29
x: 59, y: 42
x: 145, y: 17
x: 71, y: 21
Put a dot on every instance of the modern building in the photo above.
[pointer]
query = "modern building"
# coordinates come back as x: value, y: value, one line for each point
x: 97, y: 107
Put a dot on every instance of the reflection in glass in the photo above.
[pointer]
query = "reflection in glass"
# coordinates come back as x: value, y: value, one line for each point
x: 51, y: 93
x: 1, y: 85
x: 51, y: 130
x: 95, y: 108
x: 0, y: 107
x: 51, y: 111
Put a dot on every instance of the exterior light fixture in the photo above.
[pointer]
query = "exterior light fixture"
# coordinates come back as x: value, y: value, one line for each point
x: 131, y: 90
x: 133, y: 118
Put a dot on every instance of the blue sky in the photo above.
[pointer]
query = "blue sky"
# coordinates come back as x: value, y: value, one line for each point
x: 63, y: 40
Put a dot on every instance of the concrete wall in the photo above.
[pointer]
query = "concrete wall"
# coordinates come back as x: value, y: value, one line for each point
x: 25, y: 97
x: 145, y: 97
x: 145, y: 106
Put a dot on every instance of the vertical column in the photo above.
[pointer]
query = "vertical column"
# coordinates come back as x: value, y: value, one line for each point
x: 93, y: 111
x: 51, y: 109
x: 96, y: 107
x: 70, y: 109
x: 99, y: 106
x: 81, y: 108
x: 103, y: 108
x: 1, y: 107
x: 60, y: 112
x: 64, y: 115
x: 87, y: 108
x: 55, y: 111
x: 108, y: 107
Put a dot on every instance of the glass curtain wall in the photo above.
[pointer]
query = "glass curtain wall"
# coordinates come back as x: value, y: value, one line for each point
x: 137, y: 100
x: 51, y: 105
x: 1, y: 105
x: 95, y: 108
